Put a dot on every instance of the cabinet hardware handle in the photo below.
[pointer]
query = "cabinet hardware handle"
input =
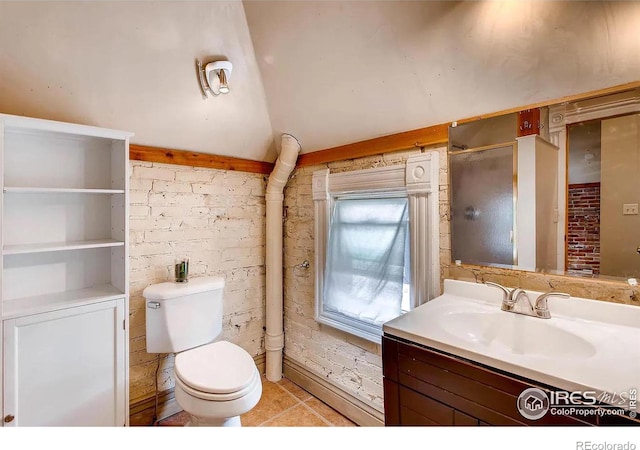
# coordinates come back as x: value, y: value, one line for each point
x: 8, y: 418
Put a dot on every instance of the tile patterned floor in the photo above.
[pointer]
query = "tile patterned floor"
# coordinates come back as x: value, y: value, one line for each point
x: 283, y: 404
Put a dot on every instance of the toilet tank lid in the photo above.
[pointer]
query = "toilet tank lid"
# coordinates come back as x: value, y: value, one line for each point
x: 168, y: 290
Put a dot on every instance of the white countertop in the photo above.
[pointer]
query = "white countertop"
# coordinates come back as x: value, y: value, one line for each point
x: 586, y: 345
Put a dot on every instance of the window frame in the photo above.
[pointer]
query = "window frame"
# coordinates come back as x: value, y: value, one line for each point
x: 418, y: 180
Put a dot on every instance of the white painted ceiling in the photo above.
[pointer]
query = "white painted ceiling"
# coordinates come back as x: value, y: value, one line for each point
x: 337, y: 72
x: 329, y: 72
x: 131, y: 66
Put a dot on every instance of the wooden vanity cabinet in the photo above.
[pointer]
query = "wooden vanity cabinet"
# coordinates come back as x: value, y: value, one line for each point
x: 423, y: 386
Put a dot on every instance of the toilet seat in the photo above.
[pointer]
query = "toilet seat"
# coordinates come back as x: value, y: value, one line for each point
x: 220, y: 371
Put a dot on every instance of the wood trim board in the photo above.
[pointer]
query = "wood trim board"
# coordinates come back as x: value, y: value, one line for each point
x: 187, y: 158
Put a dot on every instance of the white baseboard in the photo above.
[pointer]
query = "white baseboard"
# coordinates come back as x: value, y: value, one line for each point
x: 345, y: 403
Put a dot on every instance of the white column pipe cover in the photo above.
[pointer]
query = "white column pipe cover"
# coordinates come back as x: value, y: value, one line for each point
x: 274, y: 338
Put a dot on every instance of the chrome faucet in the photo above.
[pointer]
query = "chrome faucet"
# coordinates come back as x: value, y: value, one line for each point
x: 542, y: 309
x: 511, y: 300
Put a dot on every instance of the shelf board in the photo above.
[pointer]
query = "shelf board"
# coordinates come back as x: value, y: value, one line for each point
x: 40, y: 190
x: 59, y: 246
x: 60, y: 300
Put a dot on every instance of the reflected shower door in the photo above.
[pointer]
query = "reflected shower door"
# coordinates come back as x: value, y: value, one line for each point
x: 482, y: 222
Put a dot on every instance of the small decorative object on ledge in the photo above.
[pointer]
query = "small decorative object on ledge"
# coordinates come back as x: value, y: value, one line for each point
x: 529, y: 122
x: 182, y: 270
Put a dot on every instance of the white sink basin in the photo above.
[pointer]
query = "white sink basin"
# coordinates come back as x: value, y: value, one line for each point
x: 585, y: 345
x: 516, y: 334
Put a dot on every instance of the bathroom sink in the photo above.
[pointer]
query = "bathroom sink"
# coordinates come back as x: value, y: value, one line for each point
x: 585, y: 345
x: 516, y: 334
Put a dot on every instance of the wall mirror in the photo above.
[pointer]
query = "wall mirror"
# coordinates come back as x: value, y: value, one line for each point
x: 554, y: 190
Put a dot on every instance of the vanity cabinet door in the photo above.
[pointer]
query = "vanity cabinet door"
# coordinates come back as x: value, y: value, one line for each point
x: 427, y: 387
x: 66, y: 367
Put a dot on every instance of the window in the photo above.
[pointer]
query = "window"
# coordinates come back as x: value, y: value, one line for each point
x: 373, y: 259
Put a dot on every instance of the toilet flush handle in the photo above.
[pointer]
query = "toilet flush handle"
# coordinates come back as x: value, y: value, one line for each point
x: 153, y: 305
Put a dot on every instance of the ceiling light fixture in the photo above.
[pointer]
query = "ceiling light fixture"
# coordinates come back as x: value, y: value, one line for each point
x: 214, y: 77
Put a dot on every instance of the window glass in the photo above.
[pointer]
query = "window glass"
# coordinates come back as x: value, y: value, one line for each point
x: 366, y: 272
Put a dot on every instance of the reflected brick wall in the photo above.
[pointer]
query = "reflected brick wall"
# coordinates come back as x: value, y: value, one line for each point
x: 583, y: 237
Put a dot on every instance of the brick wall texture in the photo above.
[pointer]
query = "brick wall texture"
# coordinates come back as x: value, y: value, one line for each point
x: 583, y: 238
x: 350, y: 363
x: 217, y: 219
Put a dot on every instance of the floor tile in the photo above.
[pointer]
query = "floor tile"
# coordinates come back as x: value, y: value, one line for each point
x: 177, y: 420
x: 274, y: 401
x: 283, y: 404
x: 300, y: 416
x: 296, y: 390
x: 333, y: 416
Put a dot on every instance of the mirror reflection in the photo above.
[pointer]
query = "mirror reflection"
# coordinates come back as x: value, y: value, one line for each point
x: 553, y: 189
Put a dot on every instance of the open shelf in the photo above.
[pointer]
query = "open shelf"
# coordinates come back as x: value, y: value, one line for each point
x: 64, y: 282
x: 59, y: 246
x: 39, y: 190
x: 59, y: 300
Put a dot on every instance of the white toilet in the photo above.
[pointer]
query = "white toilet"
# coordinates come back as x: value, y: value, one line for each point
x: 216, y: 382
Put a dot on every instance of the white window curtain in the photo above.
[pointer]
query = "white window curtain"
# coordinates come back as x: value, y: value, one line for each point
x: 358, y: 274
x: 366, y: 258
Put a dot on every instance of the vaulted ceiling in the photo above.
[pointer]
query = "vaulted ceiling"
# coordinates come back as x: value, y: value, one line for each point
x: 340, y: 72
x: 329, y: 72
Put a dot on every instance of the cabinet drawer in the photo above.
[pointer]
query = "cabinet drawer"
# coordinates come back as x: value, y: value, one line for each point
x: 496, y: 392
x: 413, y: 418
x: 462, y: 419
x: 472, y: 393
x: 432, y: 410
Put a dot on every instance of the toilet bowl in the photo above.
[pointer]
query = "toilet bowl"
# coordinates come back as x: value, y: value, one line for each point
x: 215, y: 381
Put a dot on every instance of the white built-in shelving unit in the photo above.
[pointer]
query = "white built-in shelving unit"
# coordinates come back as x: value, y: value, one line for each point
x: 64, y: 274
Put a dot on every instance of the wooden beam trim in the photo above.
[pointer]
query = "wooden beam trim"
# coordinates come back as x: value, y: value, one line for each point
x: 565, y: 99
x: 187, y: 158
x: 423, y: 137
x: 433, y: 135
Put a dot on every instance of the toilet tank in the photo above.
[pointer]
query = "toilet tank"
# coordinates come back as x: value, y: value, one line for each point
x: 180, y: 316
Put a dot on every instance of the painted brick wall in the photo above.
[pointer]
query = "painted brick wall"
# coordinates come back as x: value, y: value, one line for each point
x: 583, y: 238
x: 215, y: 217
x: 348, y: 362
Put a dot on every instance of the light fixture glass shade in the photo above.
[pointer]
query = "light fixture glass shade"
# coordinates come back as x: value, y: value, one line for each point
x: 217, y: 76
x: 224, y: 85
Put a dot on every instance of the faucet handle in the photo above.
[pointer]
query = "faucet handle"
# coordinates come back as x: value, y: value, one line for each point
x: 542, y: 308
x: 505, y: 292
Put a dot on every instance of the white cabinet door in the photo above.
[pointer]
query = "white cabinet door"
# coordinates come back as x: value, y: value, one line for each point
x: 67, y: 367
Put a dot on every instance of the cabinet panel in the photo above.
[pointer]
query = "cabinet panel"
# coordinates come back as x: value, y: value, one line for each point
x: 459, y: 403
x: 438, y: 386
x: 437, y: 412
x: 66, y: 368
x: 414, y: 418
x: 391, y: 402
x: 465, y: 420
